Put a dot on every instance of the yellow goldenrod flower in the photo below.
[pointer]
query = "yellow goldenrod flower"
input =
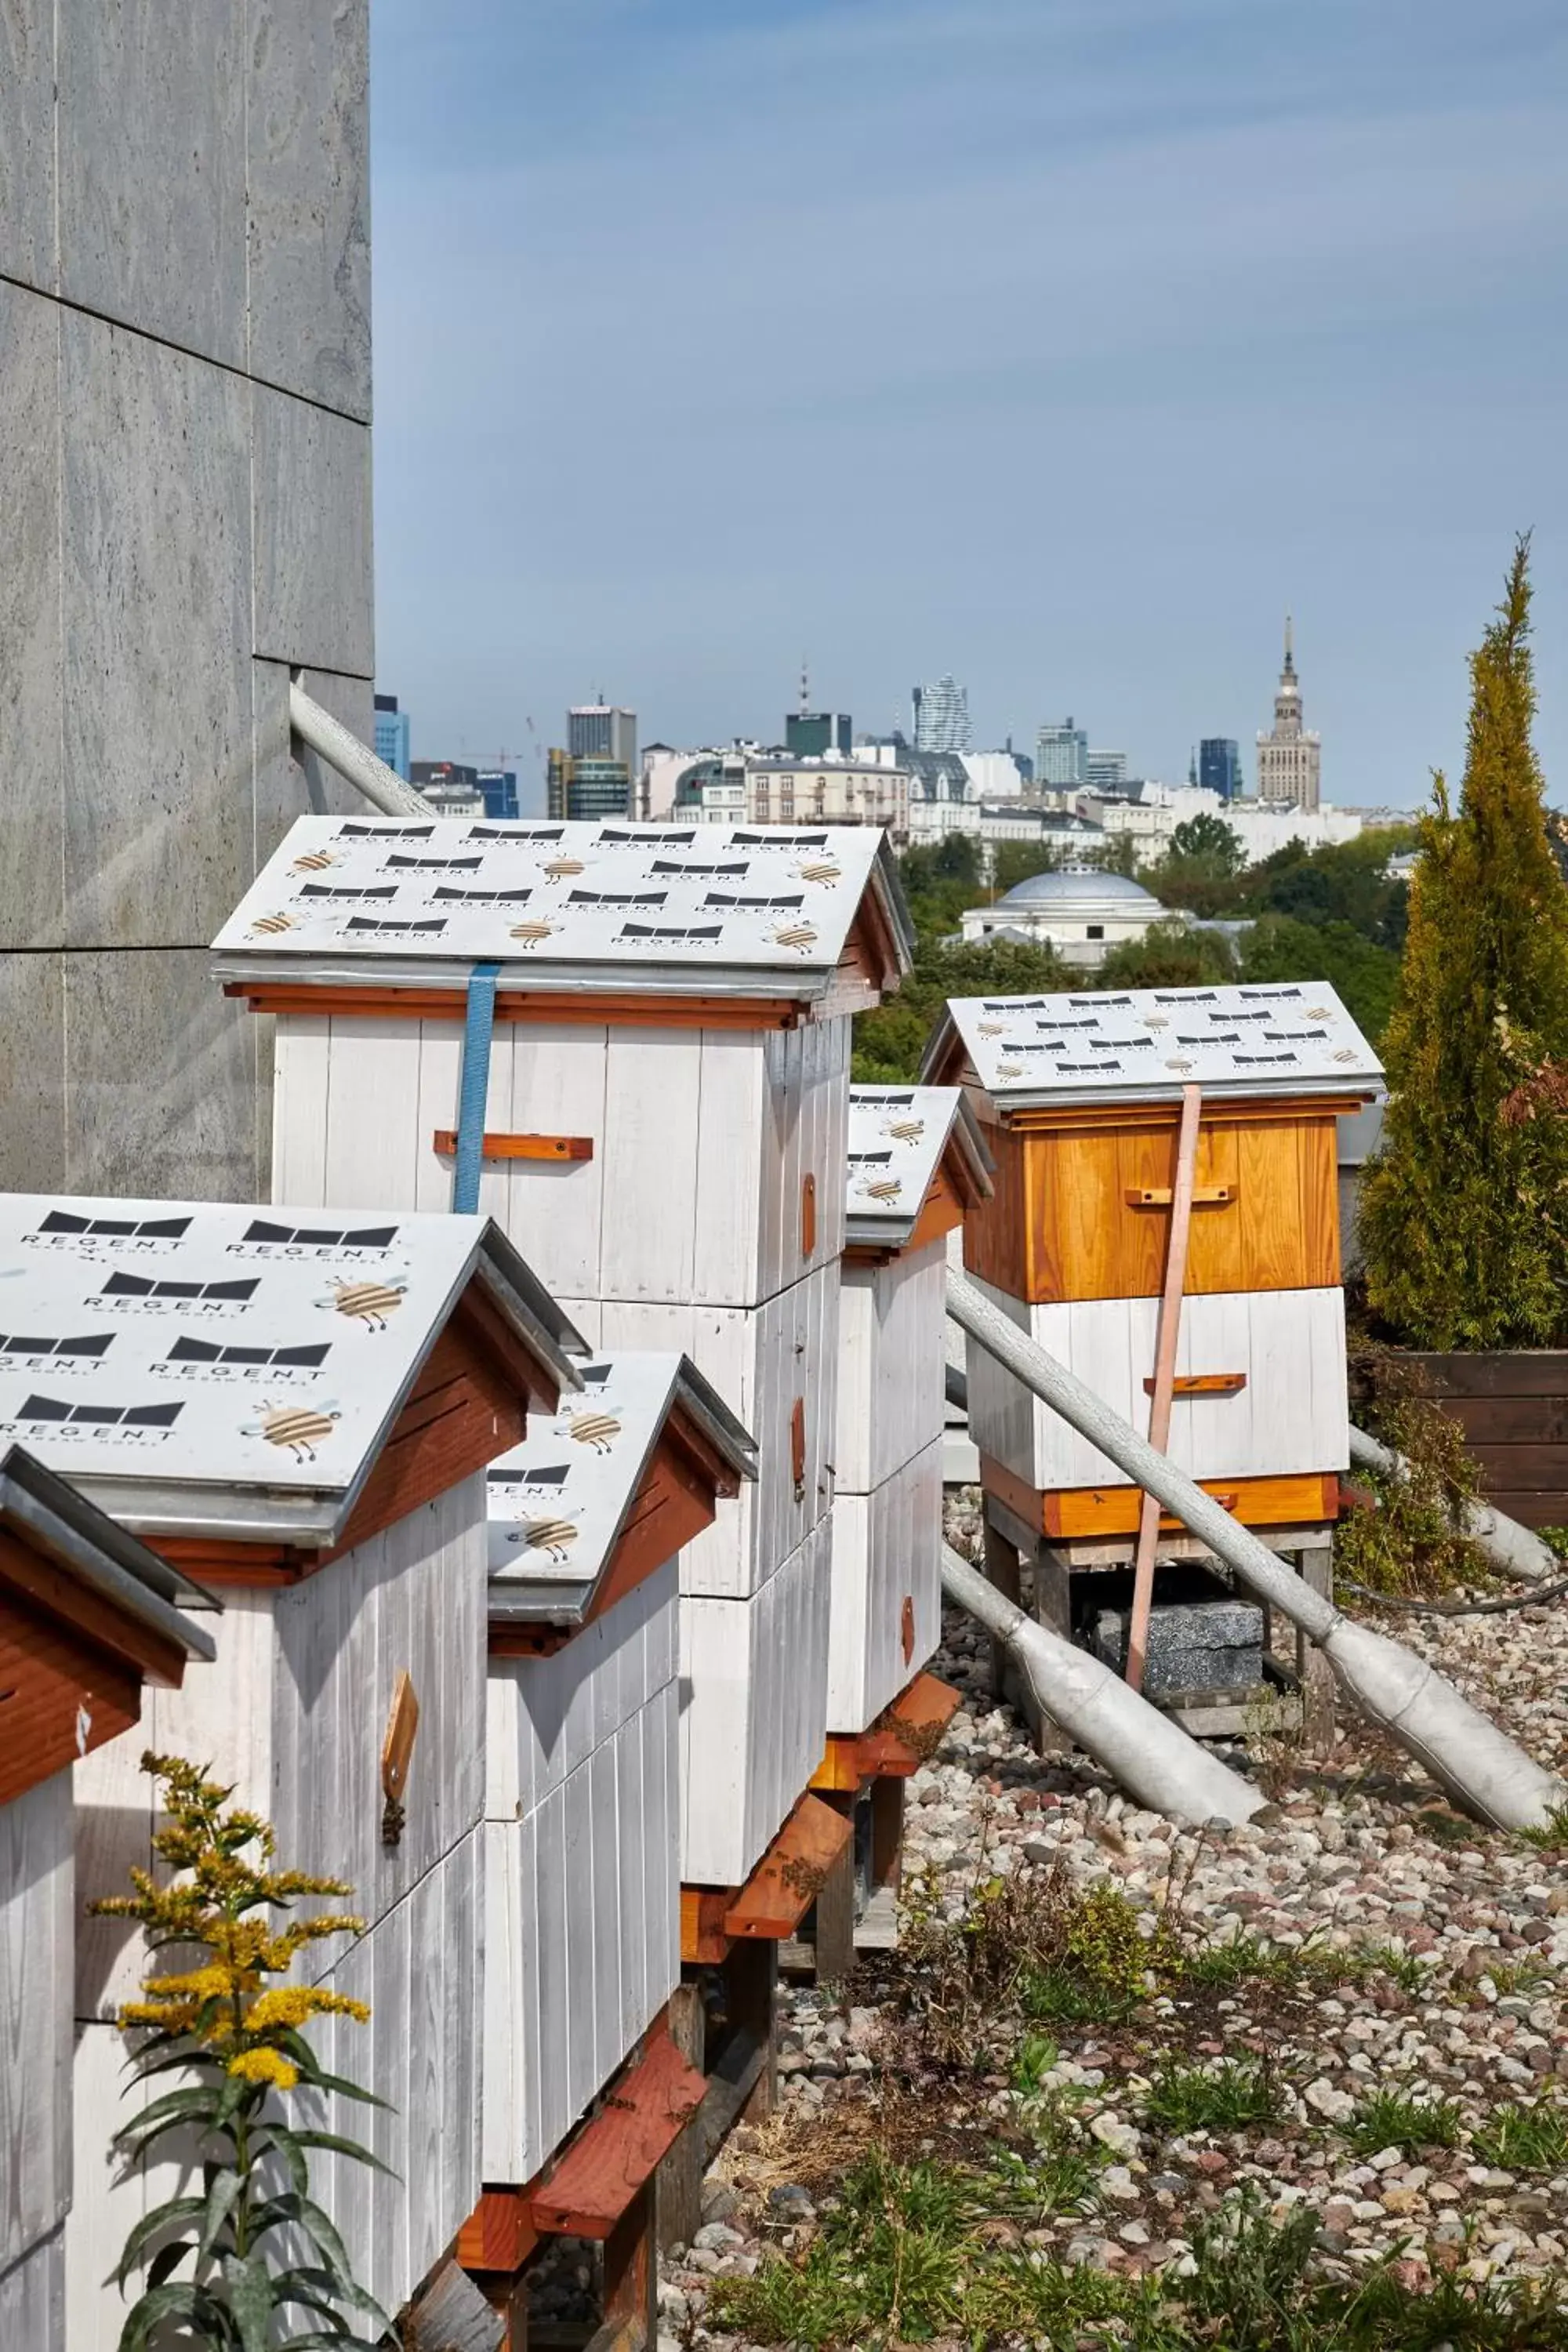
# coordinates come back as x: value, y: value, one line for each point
x: 265, y: 2066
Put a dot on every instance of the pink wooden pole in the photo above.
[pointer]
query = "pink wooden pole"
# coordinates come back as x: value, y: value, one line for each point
x: 1164, y: 1374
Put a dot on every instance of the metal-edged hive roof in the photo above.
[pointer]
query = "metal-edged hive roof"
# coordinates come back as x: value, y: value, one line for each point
x: 95, y: 1553
x: 1145, y: 1044
x: 228, y: 1372
x: 756, y: 909
x: 559, y: 1501
x: 899, y: 1139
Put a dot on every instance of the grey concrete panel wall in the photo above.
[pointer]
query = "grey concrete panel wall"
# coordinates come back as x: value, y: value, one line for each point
x: 139, y: 1117
x: 32, y: 1072
x: 27, y: 140
x: 309, y: 180
x: 152, y: 167
x: 155, y: 602
x: 30, y: 803
x: 312, y: 491
x: 184, y: 452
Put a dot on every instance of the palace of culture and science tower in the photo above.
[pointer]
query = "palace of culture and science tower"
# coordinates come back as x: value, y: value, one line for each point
x: 1289, y: 756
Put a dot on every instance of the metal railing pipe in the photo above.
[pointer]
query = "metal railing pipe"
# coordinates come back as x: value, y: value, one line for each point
x: 343, y: 752
x: 1516, y: 1550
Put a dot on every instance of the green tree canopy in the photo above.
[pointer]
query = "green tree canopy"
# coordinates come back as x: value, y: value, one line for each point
x: 1464, y: 1215
x: 1209, y: 839
x: 891, y: 1042
x: 1169, y: 955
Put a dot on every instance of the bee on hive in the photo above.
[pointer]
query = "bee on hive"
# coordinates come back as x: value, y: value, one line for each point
x: 368, y: 1302
x: 299, y: 1427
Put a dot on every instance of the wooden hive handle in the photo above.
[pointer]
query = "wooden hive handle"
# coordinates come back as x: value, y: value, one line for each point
x: 797, y: 1447
x: 517, y: 1147
x: 1159, y: 1196
x: 807, y: 1216
x: 1203, y: 1384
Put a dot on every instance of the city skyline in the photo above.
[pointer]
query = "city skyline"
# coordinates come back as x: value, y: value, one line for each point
x: 1216, y: 409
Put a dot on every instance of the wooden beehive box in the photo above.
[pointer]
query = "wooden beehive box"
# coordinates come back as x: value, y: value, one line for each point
x: 88, y: 1615
x: 666, y: 1121
x: 583, y: 1785
x: 1081, y: 1101
x: 917, y: 1164
x: 299, y: 1413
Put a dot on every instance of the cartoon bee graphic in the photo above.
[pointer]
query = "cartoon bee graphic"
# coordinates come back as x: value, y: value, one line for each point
x: 273, y: 923
x: 885, y: 1188
x: 1178, y: 1065
x: 906, y: 1130
x: 314, y: 861
x: 598, y: 1430
x: 300, y: 1428
x: 1345, y: 1054
x: 561, y: 869
x: 531, y: 934
x: 794, y: 935
x: 1009, y: 1069
x: 554, y: 1537
x: 369, y: 1303
x: 818, y: 869
x: 991, y: 1028
x: 1155, y: 1021
x: 1319, y: 1012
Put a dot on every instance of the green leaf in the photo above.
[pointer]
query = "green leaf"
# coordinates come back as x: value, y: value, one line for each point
x: 224, y: 2188
x: 285, y: 2143
x: 250, y: 2299
x: 182, y: 2300
x: 177, y: 2210
x: 341, y: 2146
x: 180, y: 2107
x: 168, y: 2260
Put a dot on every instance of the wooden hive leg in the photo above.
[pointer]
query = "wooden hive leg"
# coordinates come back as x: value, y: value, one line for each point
x: 679, y: 2199
x: 834, y: 1953
x: 630, y: 2301
x: 1316, y: 1674
x: 1005, y: 1570
x: 752, y: 1974
x: 508, y: 2298
x: 888, y: 1832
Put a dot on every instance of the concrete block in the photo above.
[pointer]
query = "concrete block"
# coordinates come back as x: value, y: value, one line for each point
x: 308, y: 179
x: 155, y: 598
x: 312, y: 534
x: 27, y: 140
x: 160, y: 1078
x: 32, y: 1072
x: 290, y: 781
x: 30, y: 806
x: 1193, y: 1646
x: 152, y: 167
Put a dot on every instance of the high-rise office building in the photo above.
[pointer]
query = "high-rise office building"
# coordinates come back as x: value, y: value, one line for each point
x: 1061, y: 755
x: 391, y: 734
x: 451, y: 787
x: 588, y: 787
x: 1107, y: 771
x: 809, y: 733
x: 1290, y: 757
x: 941, y: 716
x: 1219, y: 766
x: 499, y: 786
x: 603, y: 730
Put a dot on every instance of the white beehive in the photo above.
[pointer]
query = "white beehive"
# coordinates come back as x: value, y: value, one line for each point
x: 88, y: 1615
x: 666, y: 1123
x: 916, y: 1163
x: 1080, y: 1097
x: 300, y: 1411
x: 583, y: 1792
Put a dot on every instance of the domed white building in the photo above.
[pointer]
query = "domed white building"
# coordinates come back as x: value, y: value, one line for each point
x: 1079, y: 911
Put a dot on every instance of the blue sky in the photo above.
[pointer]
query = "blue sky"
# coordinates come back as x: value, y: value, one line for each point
x: 1062, y: 344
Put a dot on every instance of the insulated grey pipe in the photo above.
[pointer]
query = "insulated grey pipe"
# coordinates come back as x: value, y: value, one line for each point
x: 1150, y: 1756
x: 342, y: 750
x: 1461, y: 1748
x: 1518, y: 1551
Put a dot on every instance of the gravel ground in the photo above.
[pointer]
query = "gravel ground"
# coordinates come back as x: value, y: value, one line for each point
x: 1364, y: 1852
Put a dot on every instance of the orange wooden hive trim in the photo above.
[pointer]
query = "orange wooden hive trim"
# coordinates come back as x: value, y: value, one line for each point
x: 907, y: 1730
x: 703, y: 1941
x: 1203, y: 1384
x: 788, y: 1879
x: 613, y: 2158
x: 581, y: 1007
x: 839, y: 1773
x: 443, y: 1142
x: 1311, y: 1499
x: 498, y: 2235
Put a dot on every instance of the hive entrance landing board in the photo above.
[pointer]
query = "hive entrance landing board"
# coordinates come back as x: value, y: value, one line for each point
x: 164, y: 1349
x: 1144, y: 1045
x: 539, y: 897
x: 558, y: 1502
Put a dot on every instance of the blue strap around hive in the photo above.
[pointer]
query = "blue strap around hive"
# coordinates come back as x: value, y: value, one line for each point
x: 473, y: 1092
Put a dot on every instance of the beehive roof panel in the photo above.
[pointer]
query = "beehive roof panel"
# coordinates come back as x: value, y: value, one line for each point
x: 154, y: 1347
x: 557, y: 1502
x: 540, y: 897
x: 897, y: 1136
x: 1146, y: 1045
